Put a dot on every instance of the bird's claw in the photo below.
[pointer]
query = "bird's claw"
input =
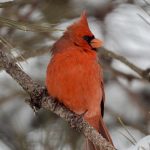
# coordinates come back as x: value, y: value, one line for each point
x: 82, y: 115
x: 33, y: 106
x: 35, y: 100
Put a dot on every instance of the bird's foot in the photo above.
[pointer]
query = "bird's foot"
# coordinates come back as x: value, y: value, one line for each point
x: 76, y: 120
x: 35, y: 100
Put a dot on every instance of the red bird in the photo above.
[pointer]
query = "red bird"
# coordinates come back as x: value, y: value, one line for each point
x: 74, y: 75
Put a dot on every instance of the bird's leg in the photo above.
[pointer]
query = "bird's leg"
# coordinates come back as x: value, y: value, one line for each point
x: 79, y: 120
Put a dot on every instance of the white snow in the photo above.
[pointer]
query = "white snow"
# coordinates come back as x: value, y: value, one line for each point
x: 119, y: 101
x: 127, y: 33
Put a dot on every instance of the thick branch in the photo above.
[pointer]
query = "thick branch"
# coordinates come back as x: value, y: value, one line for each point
x: 40, y: 99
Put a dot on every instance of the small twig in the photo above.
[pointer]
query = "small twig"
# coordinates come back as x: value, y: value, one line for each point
x: 143, y: 19
x: 129, y: 77
x: 127, y: 138
x: 121, y: 122
x: 129, y: 123
x: 27, y: 27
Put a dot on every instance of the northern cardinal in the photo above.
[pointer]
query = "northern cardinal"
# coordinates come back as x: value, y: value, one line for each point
x: 74, y: 75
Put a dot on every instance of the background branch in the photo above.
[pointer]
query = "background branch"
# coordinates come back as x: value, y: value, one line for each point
x: 145, y: 74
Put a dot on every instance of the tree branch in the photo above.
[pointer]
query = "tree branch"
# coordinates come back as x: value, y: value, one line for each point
x: 145, y: 74
x: 40, y: 99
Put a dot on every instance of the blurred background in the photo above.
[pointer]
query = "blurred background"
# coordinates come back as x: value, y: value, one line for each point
x: 123, y: 25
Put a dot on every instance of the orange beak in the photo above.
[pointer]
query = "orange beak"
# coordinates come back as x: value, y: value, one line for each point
x: 96, y: 43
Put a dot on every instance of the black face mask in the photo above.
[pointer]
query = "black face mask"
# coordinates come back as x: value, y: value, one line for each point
x: 88, y: 38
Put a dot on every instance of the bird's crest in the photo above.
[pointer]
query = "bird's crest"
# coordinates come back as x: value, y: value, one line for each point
x: 80, y: 27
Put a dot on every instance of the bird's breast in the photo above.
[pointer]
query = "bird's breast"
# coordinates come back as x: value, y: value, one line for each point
x: 74, y: 78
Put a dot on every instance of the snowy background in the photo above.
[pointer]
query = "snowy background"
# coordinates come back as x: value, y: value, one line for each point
x: 123, y: 25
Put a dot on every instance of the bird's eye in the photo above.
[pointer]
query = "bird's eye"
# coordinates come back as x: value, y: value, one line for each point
x: 88, y: 38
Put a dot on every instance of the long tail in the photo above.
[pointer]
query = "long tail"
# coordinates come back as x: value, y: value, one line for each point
x: 103, y: 130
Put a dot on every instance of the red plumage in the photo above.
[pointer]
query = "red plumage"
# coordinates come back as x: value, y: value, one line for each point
x: 74, y: 75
